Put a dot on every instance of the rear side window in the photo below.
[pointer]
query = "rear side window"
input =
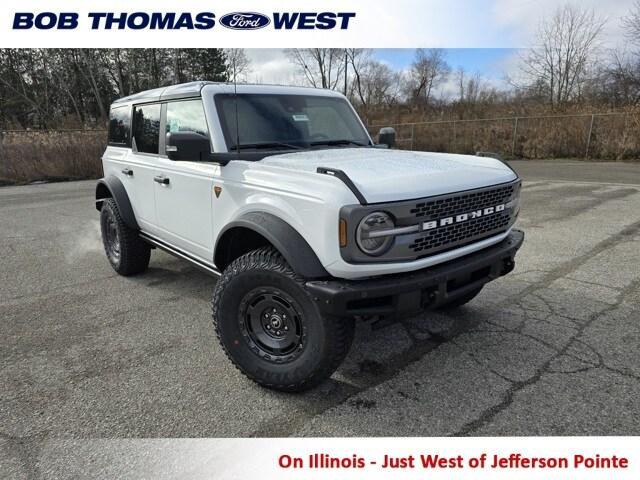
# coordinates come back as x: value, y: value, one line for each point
x: 146, y: 127
x: 119, y: 123
x: 186, y: 116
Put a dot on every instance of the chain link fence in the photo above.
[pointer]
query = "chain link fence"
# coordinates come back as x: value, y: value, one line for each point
x: 28, y: 155
x: 603, y: 136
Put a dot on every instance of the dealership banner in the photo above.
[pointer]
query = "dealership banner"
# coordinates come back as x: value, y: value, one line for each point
x: 480, y: 458
x: 225, y: 23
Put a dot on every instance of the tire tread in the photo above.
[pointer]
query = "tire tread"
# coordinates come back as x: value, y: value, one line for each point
x: 134, y: 252
x: 268, y: 258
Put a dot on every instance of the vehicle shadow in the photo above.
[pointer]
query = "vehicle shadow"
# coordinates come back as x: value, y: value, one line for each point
x: 377, y: 354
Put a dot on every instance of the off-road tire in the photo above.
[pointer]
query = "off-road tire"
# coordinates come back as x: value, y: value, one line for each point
x: 323, y: 341
x: 458, y: 302
x: 132, y: 252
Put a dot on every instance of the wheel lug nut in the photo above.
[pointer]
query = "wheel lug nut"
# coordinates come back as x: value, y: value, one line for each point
x: 278, y: 332
x: 268, y: 327
x: 286, y: 329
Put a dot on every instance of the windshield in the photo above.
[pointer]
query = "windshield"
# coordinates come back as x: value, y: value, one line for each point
x: 268, y: 121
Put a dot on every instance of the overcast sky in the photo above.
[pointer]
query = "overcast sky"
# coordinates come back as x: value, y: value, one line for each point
x: 511, y: 24
x: 273, y: 66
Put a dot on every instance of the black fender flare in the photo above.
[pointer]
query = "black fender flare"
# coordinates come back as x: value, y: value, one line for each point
x: 119, y: 195
x: 286, y: 239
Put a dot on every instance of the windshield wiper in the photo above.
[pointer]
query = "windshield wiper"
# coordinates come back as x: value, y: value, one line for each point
x: 338, y: 142
x: 262, y: 145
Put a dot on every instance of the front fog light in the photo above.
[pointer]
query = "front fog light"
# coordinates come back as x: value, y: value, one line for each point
x: 370, y: 235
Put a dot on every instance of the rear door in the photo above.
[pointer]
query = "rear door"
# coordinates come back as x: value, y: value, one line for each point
x: 118, y: 145
x: 139, y: 167
x: 185, y: 194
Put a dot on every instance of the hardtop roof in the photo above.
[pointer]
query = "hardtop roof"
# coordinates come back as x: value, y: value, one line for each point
x: 194, y: 89
x: 182, y: 90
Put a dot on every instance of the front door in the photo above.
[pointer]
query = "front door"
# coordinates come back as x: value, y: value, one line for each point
x: 183, y: 189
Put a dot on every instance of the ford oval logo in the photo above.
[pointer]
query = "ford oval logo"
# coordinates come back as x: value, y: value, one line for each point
x: 244, y: 20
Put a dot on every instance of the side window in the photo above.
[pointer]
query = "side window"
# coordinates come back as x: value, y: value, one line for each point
x: 119, y: 122
x: 146, y: 127
x: 186, y: 116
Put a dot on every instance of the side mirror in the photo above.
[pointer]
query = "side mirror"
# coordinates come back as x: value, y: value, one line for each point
x: 387, y: 136
x: 187, y: 146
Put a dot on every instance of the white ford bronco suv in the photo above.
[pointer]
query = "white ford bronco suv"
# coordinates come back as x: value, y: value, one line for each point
x: 281, y: 193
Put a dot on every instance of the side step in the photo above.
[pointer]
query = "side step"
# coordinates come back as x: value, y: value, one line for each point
x: 205, y: 267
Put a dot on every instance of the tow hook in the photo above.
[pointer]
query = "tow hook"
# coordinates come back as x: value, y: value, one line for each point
x: 509, y: 265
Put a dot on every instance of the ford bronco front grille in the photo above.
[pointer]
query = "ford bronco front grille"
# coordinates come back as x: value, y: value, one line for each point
x: 456, y: 234
x: 462, y: 203
x: 438, y: 224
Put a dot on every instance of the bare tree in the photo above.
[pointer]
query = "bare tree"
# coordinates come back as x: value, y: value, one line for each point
x: 238, y: 64
x: 622, y: 76
x: 321, y: 67
x: 618, y: 81
x: 90, y: 72
x: 383, y: 84
x: 428, y: 70
x: 358, y: 59
x: 376, y: 85
x: 468, y: 86
x: 567, y: 45
x: 631, y: 24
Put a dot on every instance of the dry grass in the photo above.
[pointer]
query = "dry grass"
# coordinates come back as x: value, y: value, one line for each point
x: 73, y: 155
x: 50, y: 155
x: 613, y: 137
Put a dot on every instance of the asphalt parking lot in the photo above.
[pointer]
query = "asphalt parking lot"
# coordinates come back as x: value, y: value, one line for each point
x: 552, y: 349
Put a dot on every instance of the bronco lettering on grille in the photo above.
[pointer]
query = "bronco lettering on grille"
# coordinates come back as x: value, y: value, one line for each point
x: 463, y: 217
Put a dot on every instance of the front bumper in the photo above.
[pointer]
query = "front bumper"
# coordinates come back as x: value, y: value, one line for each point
x: 408, y: 293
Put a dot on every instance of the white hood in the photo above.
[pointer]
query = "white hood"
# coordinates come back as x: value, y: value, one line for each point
x: 393, y: 175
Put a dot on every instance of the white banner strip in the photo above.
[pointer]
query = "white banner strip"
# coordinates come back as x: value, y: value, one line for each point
x: 503, y: 458
x: 268, y: 24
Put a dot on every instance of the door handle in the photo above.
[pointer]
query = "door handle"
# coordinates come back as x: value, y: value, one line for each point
x: 161, y: 179
x: 128, y: 172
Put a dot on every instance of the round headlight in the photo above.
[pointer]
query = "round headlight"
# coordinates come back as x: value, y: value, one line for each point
x: 366, y: 237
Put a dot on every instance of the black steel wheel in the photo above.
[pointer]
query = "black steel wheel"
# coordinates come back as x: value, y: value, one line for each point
x: 271, y: 320
x: 270, y: 327
x: 111, y: 237
x: 126, y: 252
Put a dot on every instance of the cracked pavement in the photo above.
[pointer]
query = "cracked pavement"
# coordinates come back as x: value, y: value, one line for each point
x: 551, y: 349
